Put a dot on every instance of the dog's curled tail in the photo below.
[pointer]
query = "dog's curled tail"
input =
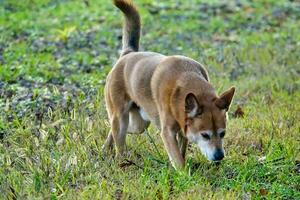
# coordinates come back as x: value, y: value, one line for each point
x: 131, y: 27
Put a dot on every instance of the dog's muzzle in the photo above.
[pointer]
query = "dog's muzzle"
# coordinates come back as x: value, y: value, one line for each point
x: 218, y: 155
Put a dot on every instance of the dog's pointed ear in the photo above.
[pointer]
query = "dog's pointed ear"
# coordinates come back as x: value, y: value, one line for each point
x: 224, y: 101
x: 191, y: 105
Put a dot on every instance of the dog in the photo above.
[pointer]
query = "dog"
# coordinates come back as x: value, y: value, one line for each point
x: 172, y: 92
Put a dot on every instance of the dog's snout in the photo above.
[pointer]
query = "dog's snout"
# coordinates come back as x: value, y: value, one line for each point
x: 218, y: 155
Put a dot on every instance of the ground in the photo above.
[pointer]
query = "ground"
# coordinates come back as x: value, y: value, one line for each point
x: 55, y: 55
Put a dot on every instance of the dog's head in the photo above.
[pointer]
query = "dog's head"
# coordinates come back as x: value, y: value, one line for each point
x: 206, y: 122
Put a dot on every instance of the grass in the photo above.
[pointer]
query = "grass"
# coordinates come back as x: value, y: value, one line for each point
x: 55, y: 55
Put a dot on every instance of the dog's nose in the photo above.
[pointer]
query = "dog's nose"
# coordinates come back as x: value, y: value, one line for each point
x: 219, y: 155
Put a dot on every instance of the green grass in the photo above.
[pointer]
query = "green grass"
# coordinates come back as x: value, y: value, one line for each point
x: 55, y: 55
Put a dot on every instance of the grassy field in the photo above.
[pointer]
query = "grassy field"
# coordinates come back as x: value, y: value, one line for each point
x: 55, y: 55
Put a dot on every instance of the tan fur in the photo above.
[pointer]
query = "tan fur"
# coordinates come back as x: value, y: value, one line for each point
x: 174, y: 92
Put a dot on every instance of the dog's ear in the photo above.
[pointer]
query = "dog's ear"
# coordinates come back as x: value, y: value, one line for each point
x: 191, y: 105
x: 224, y: 101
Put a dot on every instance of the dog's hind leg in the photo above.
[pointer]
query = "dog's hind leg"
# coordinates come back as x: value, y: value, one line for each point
x: 117, y: 110
x: 118, y: 130
x: 117, y: 133
x: 108, y: 144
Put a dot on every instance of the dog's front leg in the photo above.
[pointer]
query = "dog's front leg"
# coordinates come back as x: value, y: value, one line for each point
x: 169, y: 138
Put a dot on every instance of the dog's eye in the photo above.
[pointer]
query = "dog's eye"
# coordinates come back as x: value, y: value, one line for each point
x: 222, y: 134
x: 205, y: 135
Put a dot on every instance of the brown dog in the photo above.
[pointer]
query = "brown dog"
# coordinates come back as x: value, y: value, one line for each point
x: 173, y: 92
